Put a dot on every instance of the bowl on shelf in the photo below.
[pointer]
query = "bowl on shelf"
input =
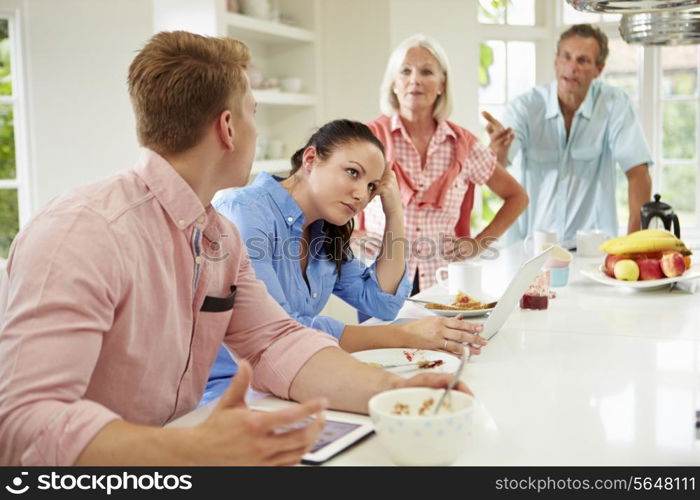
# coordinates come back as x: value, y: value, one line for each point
x: 291, y: 84
x: 256, y: 8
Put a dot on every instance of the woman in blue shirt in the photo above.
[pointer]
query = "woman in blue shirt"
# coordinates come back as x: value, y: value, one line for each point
x: 297, y: 231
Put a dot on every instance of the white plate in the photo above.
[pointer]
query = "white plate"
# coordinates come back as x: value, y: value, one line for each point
x: 449, y: 313
x: 597, y: 273
x: 396, y: 356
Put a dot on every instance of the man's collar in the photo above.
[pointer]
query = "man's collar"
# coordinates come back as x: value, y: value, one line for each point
x: 175, y: 195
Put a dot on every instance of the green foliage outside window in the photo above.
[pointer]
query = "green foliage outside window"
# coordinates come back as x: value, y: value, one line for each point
x: 7, y: 143
x: 495, y: 11
x: 9, y: 219
x: 9, y: 207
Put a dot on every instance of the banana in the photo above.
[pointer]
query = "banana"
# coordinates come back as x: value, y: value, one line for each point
x: 646, y: 240
x: 651, y: 233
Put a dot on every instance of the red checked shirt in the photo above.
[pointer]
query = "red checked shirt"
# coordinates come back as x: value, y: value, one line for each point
x: 428, y: 227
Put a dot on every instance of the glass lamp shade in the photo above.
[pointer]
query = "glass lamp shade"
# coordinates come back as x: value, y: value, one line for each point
x: 680, y: 27
x: 631, y: 6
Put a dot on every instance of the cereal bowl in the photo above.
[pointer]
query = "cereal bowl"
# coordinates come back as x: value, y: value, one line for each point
x: 410, y: 432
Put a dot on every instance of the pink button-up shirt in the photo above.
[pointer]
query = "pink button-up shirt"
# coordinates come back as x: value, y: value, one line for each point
x: 426, y: 226
x: 100, y: 314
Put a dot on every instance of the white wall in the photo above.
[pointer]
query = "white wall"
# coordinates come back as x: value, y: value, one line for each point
x: 453, y: 24
x: 81, y: 126
x: 356, y: 45
x: 360, y: 35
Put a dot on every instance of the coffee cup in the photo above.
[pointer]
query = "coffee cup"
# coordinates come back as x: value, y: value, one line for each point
x: 462, y: 277
x: 558, y: 265
x: 588, y: 241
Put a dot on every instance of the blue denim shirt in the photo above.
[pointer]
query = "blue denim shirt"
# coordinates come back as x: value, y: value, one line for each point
x: 571, y: 180
x: 270, y: 222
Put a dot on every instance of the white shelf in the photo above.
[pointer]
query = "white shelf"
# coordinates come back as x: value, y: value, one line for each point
x: 283, y: 98
x: 260, y: 30
x: 281, y: 165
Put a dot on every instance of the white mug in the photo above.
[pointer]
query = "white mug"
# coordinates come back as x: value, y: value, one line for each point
x: 588, y: 241
x: 463, y: 276
x: 539, y: 237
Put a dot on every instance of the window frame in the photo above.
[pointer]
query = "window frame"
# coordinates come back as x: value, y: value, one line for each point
x: 22, y: 180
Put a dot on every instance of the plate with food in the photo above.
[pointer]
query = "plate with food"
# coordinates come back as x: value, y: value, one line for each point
x: 598, y: 273
x: 466, y: 305
x: 409, y: 362
x: 648, y: 259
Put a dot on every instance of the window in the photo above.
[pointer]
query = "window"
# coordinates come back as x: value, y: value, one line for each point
x: 502, y: 74
x: 13, y: 193
x: 679, y: 102
x: 513, y: 12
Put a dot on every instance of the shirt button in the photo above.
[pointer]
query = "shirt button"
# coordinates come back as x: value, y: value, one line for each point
x: 198, y: 259
x: 418, y: 230
x: 421, y: 185
x: 181, y: 222
x: 422, y: 275
x: 314, y: 295
x: 200, y: 219
x: 289, y: 219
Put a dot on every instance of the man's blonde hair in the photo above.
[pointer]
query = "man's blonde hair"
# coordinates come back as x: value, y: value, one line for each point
x: 388, y: 103
x: 179, y: 82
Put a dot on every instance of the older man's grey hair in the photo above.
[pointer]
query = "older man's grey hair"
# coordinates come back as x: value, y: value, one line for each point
x: 388, y: 103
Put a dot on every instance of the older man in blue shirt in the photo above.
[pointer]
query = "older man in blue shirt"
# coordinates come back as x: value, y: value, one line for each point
x: 568, y: 137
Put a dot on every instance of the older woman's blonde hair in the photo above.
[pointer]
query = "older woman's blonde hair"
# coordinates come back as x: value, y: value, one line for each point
x: 388, y: 103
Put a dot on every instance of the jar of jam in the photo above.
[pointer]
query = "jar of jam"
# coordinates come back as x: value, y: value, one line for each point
x: 528, y: 301
x: 537, y: 295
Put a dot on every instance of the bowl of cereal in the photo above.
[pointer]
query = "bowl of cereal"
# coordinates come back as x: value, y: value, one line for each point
x: 411, y: 432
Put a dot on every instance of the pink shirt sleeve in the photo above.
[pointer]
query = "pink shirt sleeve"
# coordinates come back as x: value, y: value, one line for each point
x: 60, y: 302
x: 480, y: 162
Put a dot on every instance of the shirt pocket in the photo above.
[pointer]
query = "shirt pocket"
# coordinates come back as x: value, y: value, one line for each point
x: 209, y: 335
x: 586, y: 153
x: 542, y: 155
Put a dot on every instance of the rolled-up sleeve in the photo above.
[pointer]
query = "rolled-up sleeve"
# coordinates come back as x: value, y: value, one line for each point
x: 626, y: 137
x: 59, y: 302
x: 358, y: 286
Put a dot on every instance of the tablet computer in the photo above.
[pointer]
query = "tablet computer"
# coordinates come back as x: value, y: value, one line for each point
x: 340, y: 433
x: 337, y: 436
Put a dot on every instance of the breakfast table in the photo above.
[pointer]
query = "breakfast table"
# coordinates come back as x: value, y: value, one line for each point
x: 606, y: 375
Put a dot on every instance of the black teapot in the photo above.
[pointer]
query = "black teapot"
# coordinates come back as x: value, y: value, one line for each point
x: 664, y: 212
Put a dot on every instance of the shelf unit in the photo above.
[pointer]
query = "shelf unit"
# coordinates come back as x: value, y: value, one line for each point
x: 278, y: 51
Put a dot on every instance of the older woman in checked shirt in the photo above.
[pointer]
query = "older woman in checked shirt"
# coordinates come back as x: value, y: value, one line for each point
x: 437, y: 165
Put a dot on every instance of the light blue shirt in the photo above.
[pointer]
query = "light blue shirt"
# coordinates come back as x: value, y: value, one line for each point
x: 571, y: 183
x: 270, y: 222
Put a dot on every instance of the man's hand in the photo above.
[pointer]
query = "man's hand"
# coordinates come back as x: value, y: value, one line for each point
x: 235, y: 435
x: 501, y: 137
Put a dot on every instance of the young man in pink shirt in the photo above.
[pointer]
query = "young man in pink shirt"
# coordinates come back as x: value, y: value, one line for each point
x: 119, y: 294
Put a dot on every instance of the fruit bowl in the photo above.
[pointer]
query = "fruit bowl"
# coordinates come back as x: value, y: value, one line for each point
x: 597, y: 273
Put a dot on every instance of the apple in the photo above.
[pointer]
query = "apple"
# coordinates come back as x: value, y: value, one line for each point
x: 626, y: 270
x: 672, y: 264
x: 649, y: 269
x: 610, y: 261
